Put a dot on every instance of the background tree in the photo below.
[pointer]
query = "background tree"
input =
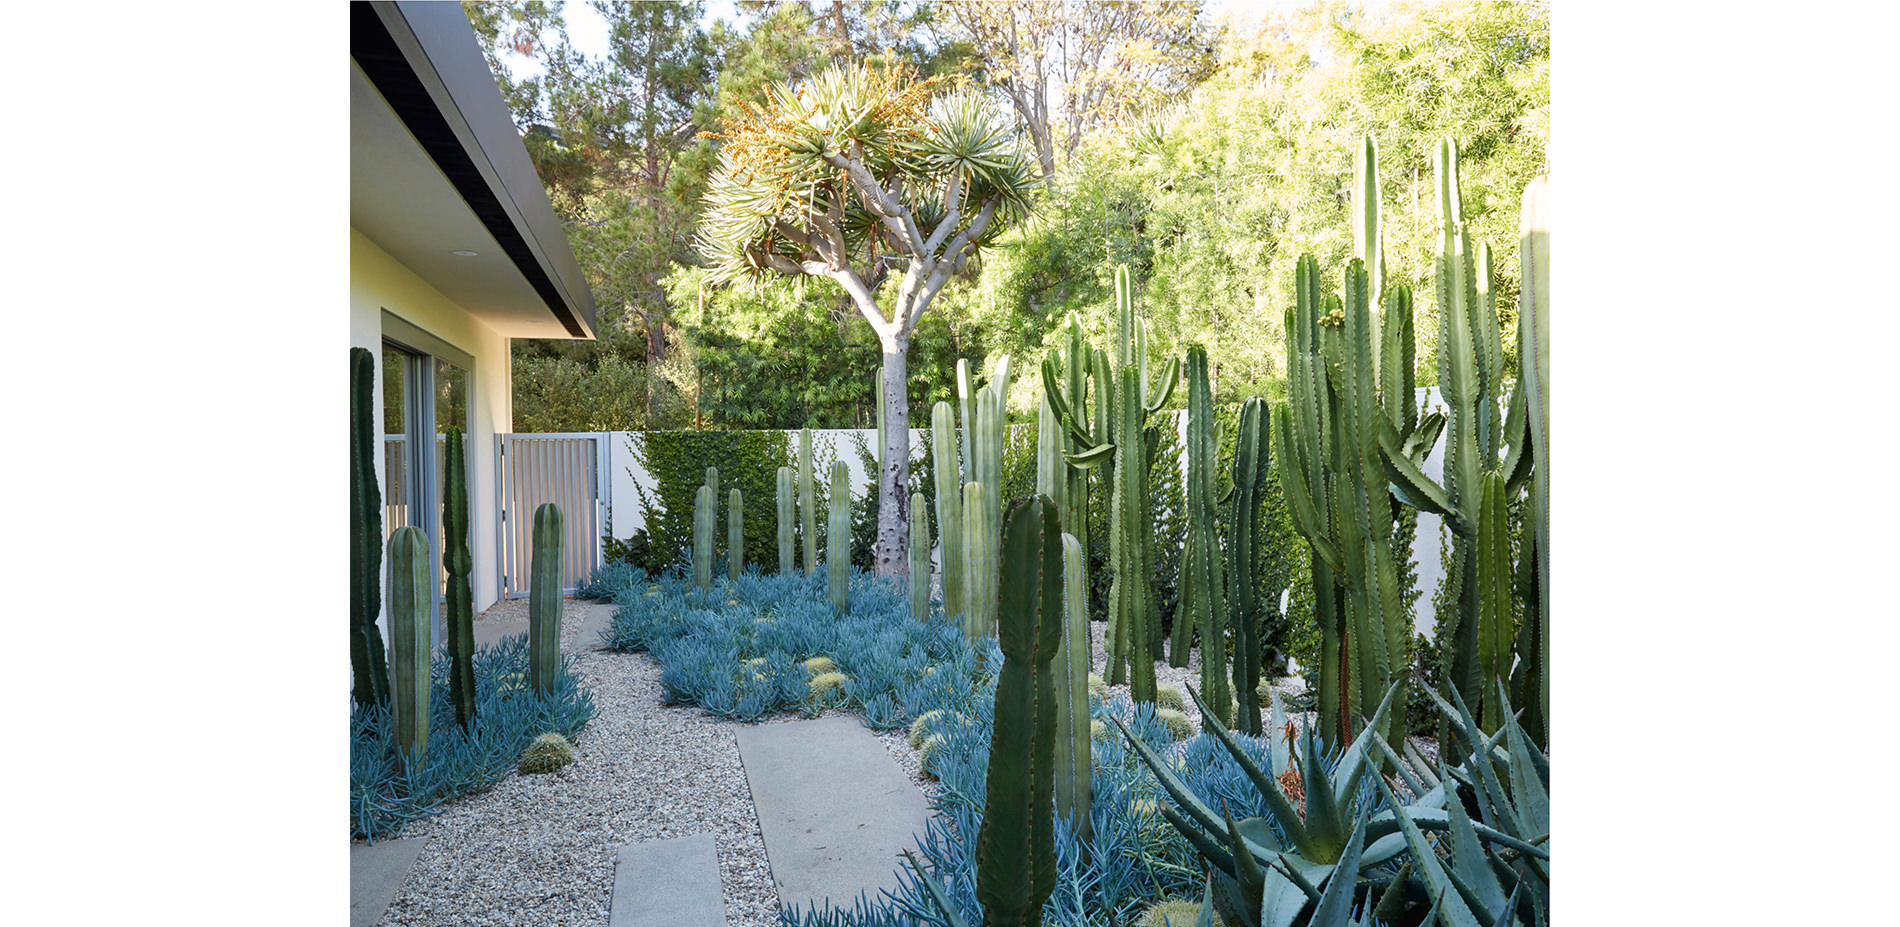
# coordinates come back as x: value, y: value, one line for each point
x: 851, y: 175
x: 1070, y: 67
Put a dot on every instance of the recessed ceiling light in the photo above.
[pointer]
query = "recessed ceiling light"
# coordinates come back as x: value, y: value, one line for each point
x: 463, y: 253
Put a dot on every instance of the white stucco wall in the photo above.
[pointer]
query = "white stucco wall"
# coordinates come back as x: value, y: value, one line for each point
x: 379, y: 282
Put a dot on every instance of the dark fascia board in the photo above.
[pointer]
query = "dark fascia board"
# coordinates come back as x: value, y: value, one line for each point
x: 426, y: 62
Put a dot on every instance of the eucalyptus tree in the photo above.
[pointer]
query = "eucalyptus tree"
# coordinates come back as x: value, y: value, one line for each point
x: 861, y: 175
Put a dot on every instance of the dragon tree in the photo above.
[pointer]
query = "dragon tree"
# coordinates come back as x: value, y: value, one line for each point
x: 857, y: 175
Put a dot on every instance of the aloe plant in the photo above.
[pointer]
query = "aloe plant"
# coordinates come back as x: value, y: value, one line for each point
x: 368, y: 673
x: 919, y: 558
x: 1016, y: 859
x: 838, y: 540
x: 459, y: 599
x: 735, y: 534
x: 1251, y: 463
x: 1476, y: 635
x: 545, y: 571
x: 1203, y: 605
x: 785, y: 520
x: 1134, y: 627
x: 410, y: 598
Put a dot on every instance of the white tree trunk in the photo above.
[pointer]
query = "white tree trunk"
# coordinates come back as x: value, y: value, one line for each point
x: 892, y: 554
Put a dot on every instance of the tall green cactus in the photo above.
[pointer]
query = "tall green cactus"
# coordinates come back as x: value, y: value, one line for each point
x: 1203, y: 595
x: 368, y: 672
x: 838, y: 540
x: 1475, y: 635
x: 545, y: 571
x: 410, y: 597
x: 785, y: 521
x: 1074, y: 766
x: 979, y: 568
x: 983, y: 420
x: 1016, y: 860
x: 1134, y: 627
x: 807, y: 502
x: 459, y: 600
x: 1068, y: 399
x: 735, y: 534
x: 1533, y: 356
x: 943, y: 440
x: 1251, y: 461
x: 703, y: 536
x: 919, y: 558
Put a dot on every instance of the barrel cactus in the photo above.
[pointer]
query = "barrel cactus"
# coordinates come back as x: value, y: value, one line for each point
x: 547, y: 753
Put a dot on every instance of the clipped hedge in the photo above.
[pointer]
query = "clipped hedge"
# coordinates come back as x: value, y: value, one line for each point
x: 677, y: 461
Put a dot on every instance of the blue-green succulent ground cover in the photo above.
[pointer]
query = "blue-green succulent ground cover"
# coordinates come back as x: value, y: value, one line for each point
x: 737, y: 650
x: 384, y: 796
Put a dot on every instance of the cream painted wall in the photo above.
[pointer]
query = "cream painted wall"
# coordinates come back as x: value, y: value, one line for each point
x: 379, y: 282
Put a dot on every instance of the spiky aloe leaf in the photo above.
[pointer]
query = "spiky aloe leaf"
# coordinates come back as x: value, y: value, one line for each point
x: 1455, y: 913
x: 949, y: 913
x: 1269, y: 787
x: 1335, y: 906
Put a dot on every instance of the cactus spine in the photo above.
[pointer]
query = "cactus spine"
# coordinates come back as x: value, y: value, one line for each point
x: 838, y: 539
x: 1202, y: 592
x: 1073, y: 764
x: 1016, y: 847
x: 1134, y: 631
x: 919, y: 558
x: 807, y: 502
x: 1243, y: 602
x: 703, y: 537
x: 949, y: 480
x: 369, y: 674
x: 459, y: 600
x: 735, y: 535
x: 1474, y: 636
x: 785, y: 520
x: 544, y: 599
x: 410, y: 597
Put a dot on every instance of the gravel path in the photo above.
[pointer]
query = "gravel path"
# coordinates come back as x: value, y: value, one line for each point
x: 540, y: 850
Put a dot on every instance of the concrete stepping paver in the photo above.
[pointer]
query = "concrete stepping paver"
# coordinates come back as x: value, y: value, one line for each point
x: 377, y: 871
x: 834, y: 808
x: 668, y: 883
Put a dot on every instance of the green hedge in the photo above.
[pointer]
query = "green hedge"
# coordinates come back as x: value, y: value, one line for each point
x: 677, y: 461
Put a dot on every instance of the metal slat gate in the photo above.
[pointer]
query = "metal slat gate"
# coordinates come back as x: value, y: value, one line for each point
x: 564, y: 469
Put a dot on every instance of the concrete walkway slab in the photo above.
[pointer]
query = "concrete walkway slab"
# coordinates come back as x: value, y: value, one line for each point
x: 834, y: 808
x: 377, y: 871
x: 668, y: 883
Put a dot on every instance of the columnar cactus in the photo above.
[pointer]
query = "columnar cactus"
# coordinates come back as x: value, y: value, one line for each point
x: 979, y: 568
x: 1203, y: 604
x: 786, y: 531
x: 807, y: 502
x: 949, y: 473
x: 919, y: 558
x: 838, y: 539
x: 1475, y: 635
x: 1070, y: 400
x: 459, y: 600
x: 1134, y: 632
x: 544, y: 599
x: 1073, y: 764
x: 735, y: 535
x: 410, y: 597
x: 368, y: 672
x: 1533, y: 356
x: 1243, y: 602
x: 703, y: 537
x: 983, y: 419
x: 1016, y: 861
x: 1133, y: 620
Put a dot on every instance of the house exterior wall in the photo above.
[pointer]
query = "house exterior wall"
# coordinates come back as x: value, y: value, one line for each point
x: 379, y: 282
